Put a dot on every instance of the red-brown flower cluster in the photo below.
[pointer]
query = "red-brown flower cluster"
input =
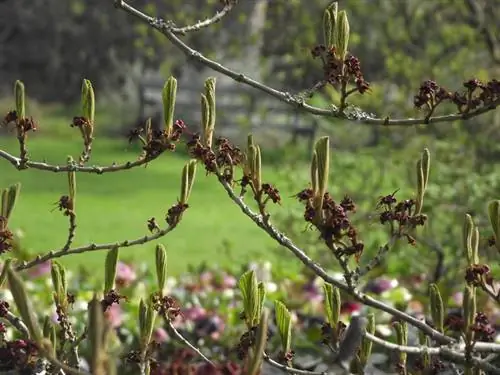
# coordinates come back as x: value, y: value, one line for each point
x: 166, y: 306
x: 482, y: 328
x: 6, y: 236
x: 18, y: 355
x: 224, y: 155
x: 400, y: 213
x: 337, y: 71
x: 476, y: 274
x: 477, y: 94
x: 23, y: 124
x: 333, y: 222
x: 111, y: 298
x: 158, y: 141
x: 175, y: 212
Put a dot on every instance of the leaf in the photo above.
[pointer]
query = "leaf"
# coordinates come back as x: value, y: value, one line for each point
x: 437, y: 307
x: 9, y: 199
x: 284, y: 324
x: 250, y: 294
x: 169, y: 95
x: 19, y: 94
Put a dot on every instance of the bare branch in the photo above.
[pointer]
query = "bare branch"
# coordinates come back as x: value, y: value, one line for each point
x: 93, y: 247
x: 294, y: 100
x: 181, y: 338
x: 444, y: 352
x: 291, y: 370
x: 20, y: 165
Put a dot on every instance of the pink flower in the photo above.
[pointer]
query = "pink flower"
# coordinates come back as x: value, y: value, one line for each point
x: 206, y: 278
x: 114, y: 315
x: 125, y: 275
x: 194, y: 313
x: 229, y: 282
x: 160, y: 335
x: 40, y: 269
x: 350, y: 308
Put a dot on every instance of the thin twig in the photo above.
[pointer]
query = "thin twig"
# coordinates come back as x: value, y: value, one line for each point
x: 20, y: 165
x: 202, y: 24
x: 319, y: 271
x: 93, y: 247
x: 71, y: 231
x: 443, y: 352
x: 291, y: 370
x: 296, y: 101
x: 181, y: 338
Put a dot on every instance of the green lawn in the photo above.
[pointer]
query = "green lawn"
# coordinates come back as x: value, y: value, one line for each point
x: 116, y: 206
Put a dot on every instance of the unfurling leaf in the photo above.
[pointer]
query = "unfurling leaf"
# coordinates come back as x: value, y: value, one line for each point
x: 24, y: 306
x: 332, y: 304
x: 366, y: 344
x: 260, y: 344
x: 284, y: 324
x: 249, y: 288
x: 332, y: 9
x: 184, y: 184
x: 169, y: 95
x: 9, y: 199
x: 161, y: 266
x: 191, y: 175
x: 437, y: 307
x: 468, y: 229
x: 494, y: 215
x: 110, y: 270
x: 342, y: 35
x: 20, y: 99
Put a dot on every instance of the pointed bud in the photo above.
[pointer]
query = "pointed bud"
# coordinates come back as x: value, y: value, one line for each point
x: 261, y: 296
x: 257, y: 169
x: 72, y: 182
x: 426, y: 166
x: 110, y: 269
x: 475, y: 246
x: 147, y: 316
x: 9, y: 199
x: 327, y: 28
x: 314, y: 174
x: 210, y: 95
x: 494, y: 216
x: 161, y: 266
x: 420, y: 188
x: 342, y: 35
x: 205, y: 120
x: 20, y: 99
x: 95, y: 335
x: 251, y: 296
x: 468, y: 229
x: 437, y: 307
x: 88, y: 101
x: 401, y: 339
x: 469, y: 306
x: 169, y: 95
x: 3, y: 275
x: 58, y: 274
x: 332, y: 10
x: 366, y: 344
x: 23, y: 305
x: 323, y: 159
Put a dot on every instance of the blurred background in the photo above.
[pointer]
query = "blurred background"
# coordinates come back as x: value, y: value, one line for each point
x: 52, y: 45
